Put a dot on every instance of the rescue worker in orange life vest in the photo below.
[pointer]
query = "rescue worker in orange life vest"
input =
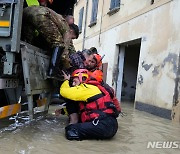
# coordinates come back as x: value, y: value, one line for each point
x: 95, y: 74
x: 97, y: 111
x: 94, y: 62
x: 96, y: 77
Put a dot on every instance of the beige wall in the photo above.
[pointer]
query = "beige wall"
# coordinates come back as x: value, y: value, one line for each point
x: 158, y: 26
x: 128, y: 9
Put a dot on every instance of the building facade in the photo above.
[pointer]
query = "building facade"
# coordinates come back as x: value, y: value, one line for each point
x: 141, y: 43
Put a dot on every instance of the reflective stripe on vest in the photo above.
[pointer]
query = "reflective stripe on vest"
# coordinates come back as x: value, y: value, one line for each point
x: 32, y: 2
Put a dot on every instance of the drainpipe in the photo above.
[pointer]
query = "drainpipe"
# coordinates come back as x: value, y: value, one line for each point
x: 101, y: 23
x: 85, y: 24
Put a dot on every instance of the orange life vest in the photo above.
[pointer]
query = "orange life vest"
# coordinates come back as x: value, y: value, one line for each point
x: 110, y: 90
x: 98, y: 105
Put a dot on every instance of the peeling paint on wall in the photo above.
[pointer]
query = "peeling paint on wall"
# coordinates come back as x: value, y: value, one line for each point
x: 176, y: 91
x: 156, y: 70
x: 176, y: 97
x: 140, y: 79
x: 146, y: 66
x: 115, y: 75
x: 171, y: 58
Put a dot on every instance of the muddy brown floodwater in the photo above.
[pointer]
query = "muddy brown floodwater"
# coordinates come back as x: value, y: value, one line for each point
x: 46, y: 136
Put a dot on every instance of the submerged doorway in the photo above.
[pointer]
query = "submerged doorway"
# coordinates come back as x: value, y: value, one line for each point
x: 128, y: 69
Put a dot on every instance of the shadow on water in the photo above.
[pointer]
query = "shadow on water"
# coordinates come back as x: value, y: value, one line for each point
x: 46, y: 135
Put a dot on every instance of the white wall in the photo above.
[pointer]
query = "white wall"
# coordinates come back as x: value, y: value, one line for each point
x: 159, y: 30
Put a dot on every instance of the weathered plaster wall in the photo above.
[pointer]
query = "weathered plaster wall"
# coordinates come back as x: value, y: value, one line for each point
x: 159, y: 57
x: 158, y: 64
x: 104, y: 21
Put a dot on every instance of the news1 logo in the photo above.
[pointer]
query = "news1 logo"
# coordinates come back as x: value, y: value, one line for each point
x: 163, y: 145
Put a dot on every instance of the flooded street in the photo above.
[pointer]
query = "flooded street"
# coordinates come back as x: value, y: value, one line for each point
x: 46, y: 136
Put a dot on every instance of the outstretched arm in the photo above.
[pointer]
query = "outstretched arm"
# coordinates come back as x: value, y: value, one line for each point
x: 78, y: 93
x: 72, y: 93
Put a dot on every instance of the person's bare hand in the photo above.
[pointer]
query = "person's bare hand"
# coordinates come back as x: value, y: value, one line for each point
x: 66, y: 77
x: 58, y: 112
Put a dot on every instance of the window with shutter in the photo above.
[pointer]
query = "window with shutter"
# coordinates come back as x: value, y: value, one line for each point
x: 94, y: 12
x: 114, y: 6
x: 81, y: 12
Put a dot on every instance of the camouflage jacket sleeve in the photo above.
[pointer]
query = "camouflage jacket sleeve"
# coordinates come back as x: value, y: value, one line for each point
x: 60, y: 22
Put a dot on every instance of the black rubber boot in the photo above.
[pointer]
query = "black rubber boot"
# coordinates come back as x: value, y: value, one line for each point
x: 55, y: 62
x: 72, y: 133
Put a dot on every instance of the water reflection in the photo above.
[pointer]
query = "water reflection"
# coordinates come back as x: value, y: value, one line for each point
x: 46, y: 135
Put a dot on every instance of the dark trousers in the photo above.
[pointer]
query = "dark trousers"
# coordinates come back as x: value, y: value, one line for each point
x: 72, y: 106
x: 104, y: 128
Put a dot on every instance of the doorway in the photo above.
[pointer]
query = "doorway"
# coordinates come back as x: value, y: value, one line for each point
x: 128, y: 69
